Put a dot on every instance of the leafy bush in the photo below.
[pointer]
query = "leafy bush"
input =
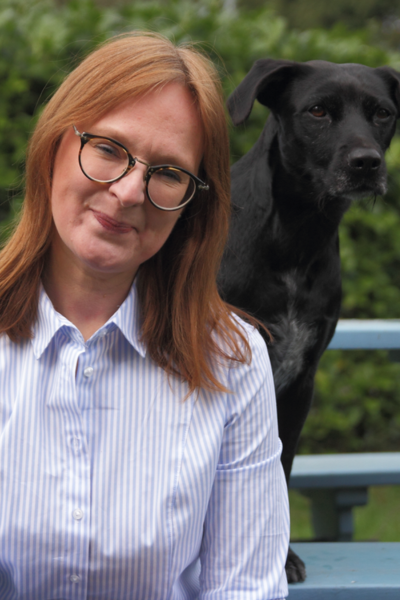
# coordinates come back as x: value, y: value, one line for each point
x: 357, y: 394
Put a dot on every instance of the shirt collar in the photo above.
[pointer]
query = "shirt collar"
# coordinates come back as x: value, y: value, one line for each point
x: 127, y: 320
x: 49, y: 321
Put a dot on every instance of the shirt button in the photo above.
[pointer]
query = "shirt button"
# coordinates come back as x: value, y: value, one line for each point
x: 75, y: 578
x: 88, y: 371
x: 76, y: 443
x: 77, y: 514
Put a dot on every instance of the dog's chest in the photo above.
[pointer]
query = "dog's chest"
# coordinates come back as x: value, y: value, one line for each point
x: 294, y: 334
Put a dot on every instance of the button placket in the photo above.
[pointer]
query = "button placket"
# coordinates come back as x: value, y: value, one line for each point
x: 77, y: 495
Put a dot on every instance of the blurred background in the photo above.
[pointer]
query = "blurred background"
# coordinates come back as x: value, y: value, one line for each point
x: 357, y: 399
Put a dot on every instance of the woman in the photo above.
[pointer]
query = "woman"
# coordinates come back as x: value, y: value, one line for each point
x: 139, y: 454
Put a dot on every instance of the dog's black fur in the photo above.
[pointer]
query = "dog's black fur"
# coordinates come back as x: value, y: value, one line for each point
x: 322, y: 147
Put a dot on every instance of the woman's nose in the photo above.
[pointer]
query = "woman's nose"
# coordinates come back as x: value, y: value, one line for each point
x: 131, y: 189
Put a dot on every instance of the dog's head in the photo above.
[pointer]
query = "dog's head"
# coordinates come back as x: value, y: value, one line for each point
x: 334, y: 121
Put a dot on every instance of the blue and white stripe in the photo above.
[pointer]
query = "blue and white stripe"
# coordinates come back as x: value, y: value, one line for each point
x: 113, y: 487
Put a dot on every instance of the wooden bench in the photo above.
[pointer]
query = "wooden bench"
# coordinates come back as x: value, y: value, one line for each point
x: 375, y: 334
x: 348, y: 571
x: 337, y: 483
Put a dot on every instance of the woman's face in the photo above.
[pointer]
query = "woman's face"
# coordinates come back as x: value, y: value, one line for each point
x: 113, y: 228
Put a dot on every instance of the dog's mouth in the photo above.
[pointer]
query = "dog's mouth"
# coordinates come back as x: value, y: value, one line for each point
x: 366, y: 192
x: 351, y: 188
x: 355, y: 196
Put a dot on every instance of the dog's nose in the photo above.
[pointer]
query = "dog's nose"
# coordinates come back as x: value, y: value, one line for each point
x: 365, y: 159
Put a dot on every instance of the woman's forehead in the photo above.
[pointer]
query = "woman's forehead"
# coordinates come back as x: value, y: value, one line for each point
x: 163, y: 100
x: 165, y: 120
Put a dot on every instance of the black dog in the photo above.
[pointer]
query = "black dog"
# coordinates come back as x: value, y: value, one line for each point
x: 322, y: 147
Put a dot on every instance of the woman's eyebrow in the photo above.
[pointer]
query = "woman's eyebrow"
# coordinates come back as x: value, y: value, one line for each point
x: 109, y: 132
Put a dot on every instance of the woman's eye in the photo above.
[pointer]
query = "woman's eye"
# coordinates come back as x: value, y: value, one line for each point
x: 318, y: 111
x: 382, y: 113
x: 171, y: 175
x: 107, y: 150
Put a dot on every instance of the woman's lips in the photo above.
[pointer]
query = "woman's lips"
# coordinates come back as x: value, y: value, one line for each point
x: 112, y: 225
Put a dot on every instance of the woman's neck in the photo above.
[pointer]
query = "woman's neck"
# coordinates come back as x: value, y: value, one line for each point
x: 85, y: 298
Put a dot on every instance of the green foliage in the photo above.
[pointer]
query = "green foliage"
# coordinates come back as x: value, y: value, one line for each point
x: 356, y: 404
x: 306, y: 14
x: 357, y: 394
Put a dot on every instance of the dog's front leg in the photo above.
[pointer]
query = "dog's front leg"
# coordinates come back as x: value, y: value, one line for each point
x: 293, y: 405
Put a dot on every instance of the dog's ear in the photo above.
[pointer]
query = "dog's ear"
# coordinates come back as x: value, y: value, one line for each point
x: 265, y: 81
x: 392, y: 78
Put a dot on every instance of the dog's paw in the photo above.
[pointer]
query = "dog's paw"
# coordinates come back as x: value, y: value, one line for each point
x: 295, y: 568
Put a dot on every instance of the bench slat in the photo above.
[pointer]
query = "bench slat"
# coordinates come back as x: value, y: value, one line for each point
x: 366, y: 334
x: 348, y: 571
x: 345, y: 470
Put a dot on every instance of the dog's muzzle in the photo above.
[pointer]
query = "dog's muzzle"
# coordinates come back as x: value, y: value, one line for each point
x: 362, y: 174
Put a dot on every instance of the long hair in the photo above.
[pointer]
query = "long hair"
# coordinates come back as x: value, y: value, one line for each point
x: 185, y: 324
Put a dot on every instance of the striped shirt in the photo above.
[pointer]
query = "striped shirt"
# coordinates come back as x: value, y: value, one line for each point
x: 113, y: 487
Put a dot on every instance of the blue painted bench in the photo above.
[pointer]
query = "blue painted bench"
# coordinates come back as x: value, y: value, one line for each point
x: 348, y: 571
x: 352, y: 334
x: 337, y: 483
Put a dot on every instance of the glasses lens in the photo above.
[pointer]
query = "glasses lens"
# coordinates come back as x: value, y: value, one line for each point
x: 169, y: 187
x: 103, y: 160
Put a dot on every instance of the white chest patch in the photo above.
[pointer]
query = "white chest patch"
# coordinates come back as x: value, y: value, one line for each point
x: 292, y: 337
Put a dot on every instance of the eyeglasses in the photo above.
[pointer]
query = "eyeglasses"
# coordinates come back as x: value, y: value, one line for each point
x: 105, y: 160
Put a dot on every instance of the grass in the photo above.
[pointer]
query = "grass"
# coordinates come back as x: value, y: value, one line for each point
x: 378, y: 521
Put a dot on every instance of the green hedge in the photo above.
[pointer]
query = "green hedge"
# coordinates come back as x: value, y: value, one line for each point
x: 357, y: 396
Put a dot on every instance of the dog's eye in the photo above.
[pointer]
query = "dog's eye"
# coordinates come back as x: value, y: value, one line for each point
x: 382, y: 113
x: 318, y: 111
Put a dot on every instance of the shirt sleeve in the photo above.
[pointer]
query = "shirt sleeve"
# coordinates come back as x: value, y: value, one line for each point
x: 246, y: 530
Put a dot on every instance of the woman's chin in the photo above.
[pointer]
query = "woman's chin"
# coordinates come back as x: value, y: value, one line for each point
x: 108, y: 267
